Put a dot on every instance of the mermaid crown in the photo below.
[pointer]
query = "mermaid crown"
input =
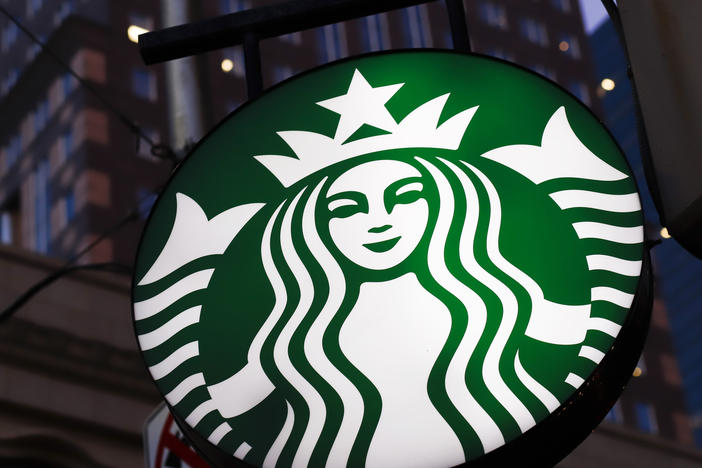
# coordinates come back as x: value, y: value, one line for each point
x: 361, y: 105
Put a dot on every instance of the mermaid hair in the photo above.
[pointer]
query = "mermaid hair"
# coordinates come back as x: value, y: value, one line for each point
x: 332, y: 408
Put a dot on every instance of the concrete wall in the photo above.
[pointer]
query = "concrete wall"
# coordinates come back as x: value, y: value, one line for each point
x: 72, y: 384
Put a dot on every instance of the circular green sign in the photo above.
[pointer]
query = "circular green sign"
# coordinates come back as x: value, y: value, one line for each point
x: 401, y: 259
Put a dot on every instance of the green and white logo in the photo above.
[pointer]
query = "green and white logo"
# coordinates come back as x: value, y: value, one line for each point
x: 400, y: 260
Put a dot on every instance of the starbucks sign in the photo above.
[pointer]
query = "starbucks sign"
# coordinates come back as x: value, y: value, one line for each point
x: 412, y: 259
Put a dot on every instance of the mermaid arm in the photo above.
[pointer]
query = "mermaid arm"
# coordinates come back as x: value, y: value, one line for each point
x: 242, y: 391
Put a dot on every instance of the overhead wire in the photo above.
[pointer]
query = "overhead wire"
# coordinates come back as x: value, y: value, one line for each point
x: 51, y: 278
x: 69, y: 266
x: 157, y: 149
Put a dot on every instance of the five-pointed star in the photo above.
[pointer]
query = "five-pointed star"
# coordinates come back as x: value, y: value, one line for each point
x: 362, y: 104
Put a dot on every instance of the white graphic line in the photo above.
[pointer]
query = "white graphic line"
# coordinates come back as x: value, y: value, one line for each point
x: 219, y: 433
x: 549, y: 401
x: 183, y: 287
x: 599, y: 201
x: 277, y: 448
x: 186, y: 386
x: 550, y: 322
x: 615, y: 296
x: 491, y: 370
x: 614, y: 264
x: 182, y: 354
x: 172, y: 327
x: 595, y: 355
x: 605, y: 326
x: 205, y: 408
x: 242, y: 450
x: 575, y: 380
x: 623, y: 235
x: 281, y: 349
x: 482, y: 423
x: 349, y: 394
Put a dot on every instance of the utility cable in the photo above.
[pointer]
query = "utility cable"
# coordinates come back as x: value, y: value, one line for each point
x: 32, y: 291
x: 157, y: 149
x: 70, y: 267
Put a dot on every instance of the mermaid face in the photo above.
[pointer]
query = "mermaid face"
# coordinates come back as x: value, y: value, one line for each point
x: 378, y: 213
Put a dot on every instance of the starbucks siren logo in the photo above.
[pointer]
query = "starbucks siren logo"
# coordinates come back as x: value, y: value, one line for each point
x: 387, y: 294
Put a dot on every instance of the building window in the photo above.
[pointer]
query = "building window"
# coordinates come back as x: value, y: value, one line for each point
x: 332, y: 42
x: 562, y: 5
x: 32, y: 51
x: 9, y: 36
x: 493, y: 15
x: 579, y: 89
x: 416, y: 25
x: 41, y: 116
x: 5, y: 228
x: 10, y: 220
x: 294, y: 38
x: 33, y: 6
x: 236, y: 55
x: 68, y: 84
x: 375, y: 33
x: 143, y: 21
x: 448, y: 40
x: 63, y: 12
x: 13, y: 151
x: 569, y: 45
x: 231, y: 106
x: 144, y: 84
x: 533, y: 31
x: 500, y: 53
x: 282, y: 72
x: 42, y: 207
x: 10, y: 80
x: 615, y: 414
x: 66, y: 145
x: 231, y: 6
x: 70, y: 206
x: 545, y: 71
x: 145, y: 201
x: 646, y: 418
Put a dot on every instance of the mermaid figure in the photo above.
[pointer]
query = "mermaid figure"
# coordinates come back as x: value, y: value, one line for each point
x: 397, y: 329
x: 392, y: 334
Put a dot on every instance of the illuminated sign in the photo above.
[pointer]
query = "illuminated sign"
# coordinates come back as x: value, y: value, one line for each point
x: 405, y: 259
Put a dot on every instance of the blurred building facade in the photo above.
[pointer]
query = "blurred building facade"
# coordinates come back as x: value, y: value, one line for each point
x: 678, y: 274
x: 69, y: 170
x: 68, y: 167
x: 74, y: 392
x: 546, y: 36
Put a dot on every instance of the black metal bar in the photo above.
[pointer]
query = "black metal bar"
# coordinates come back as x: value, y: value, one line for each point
x: 459, y: 29
x: 644, y: 146
x: 268, y: 21
x: 252, y: 61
